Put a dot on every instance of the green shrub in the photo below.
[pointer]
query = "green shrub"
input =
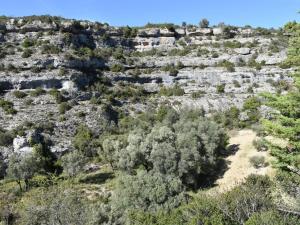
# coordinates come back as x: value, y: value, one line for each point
x: 236, y: 84
x: 173, y: 72
x: 37, y: 92
x: 172, y: 91
x: 26, y: 53
x: 228, y: 65
x: 28, y: 102
x: 3, y: 53
x: 232, y: 44
x: 258, y: 161
x: 6, y: 138
x: 179, y: 52
x: 118, y: 54
x: 84, y: 52
x: 215, y: 55
x: 254, y: 64
x: 73, y: 163
x: 198, y: 94
x: 229, y: 118
x: 62, y: 72
x: 136, y: 72
x: 241, y: 62
x: 272, y: 217
x: 83, y: 140
x: 50, y: 49
x: 179, y: 65
x: 171, y: 69
x: 117, y: 68
x: 240, y: 203
x: 59, y: 98
x: 182, y: 43
x: 19, y: 94
x: 64, y: 107
x: 7, y: 106
x: 129, y: 32
x: 36, y: 69
x: 28, y: 43
x: 252, y: 103
x: 285, y: 65
x: 251, y: 106
x: 221, y: 88
x: 260, y: 144
x: 202, y: 52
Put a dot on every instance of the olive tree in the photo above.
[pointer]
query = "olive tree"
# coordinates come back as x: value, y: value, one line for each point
x: 73, y: 162
x: 83, y: 140
x: 22, y: 167
x: 110, y: 148
x: 148, y: 191
x: 188, y: 149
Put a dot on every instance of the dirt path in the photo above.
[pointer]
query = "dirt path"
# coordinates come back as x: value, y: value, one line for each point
x: 239, y: 166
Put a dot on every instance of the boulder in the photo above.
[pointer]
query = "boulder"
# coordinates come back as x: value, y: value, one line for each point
x: 243, y: 51
x: 218, y: 31
x: 166, y: 33
x: 206, y: 31
x: 22, y: 144
x: 180, y: 31
x: 152, y: 32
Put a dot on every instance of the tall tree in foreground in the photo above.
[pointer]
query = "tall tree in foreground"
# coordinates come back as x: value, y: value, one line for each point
x: 285, y: 124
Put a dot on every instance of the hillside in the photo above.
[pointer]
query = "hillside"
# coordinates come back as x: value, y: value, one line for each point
x: 132, y: 125
x: 209, y: 68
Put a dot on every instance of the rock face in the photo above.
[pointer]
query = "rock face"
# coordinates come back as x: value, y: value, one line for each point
x: 89, y: 66
x: 243, y: 51
x: 23, y: 144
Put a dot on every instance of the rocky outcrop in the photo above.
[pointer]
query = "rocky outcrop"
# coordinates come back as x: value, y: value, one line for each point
x: 24, y: 144
x: 100, y: 71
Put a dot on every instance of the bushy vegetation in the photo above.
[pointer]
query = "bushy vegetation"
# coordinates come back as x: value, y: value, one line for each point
x: 172, y: 69
x: 230, y: 67
x: 293, y: 51
x: 37, y: 92
x: 19, y: 94
x: 28, y: 43
x: 171, y: 91
x: 64, y: 107
x: 50, y: 49
x: 248, y: 203
x: 232, y: 44
x: 27, y: 53
x: 6, y: 138
x: 251, y: 107
x: 258, y: 161
x: 117, y: 68
x: 221, y: 88
x: 7, y: 106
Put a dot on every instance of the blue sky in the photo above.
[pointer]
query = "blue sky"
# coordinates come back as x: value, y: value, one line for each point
x: 266, y: 13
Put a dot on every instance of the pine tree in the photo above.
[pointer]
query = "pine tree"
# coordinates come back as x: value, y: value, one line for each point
x: 285, y: 124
